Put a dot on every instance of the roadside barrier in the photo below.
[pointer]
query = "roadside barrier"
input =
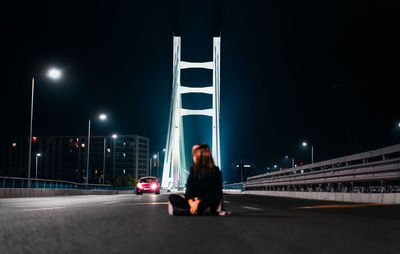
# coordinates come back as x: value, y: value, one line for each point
x: 376, y: 171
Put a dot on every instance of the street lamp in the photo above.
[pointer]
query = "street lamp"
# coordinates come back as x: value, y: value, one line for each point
x: 53, y: 73
x: 287, y: 159
x: 114, y: 136
x: 157, y: 161
x: 305, y: 144
x: 37, y: 158
x: 101, y: 117
x: 104, y: 160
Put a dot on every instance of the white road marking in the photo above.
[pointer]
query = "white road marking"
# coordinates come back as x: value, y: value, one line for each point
x: 41, y: 209
x: 252, y: 208
x: 226, y: 201
x: 109, y: 203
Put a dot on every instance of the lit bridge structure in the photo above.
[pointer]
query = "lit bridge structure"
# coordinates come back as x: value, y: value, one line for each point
x: 175, y: 167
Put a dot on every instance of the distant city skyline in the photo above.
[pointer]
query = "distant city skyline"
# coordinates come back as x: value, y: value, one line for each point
x: 65, y: 157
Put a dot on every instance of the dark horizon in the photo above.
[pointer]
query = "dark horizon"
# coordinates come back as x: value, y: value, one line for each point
x: 290, y: 71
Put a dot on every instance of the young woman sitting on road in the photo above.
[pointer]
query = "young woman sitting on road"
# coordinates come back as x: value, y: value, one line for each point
x: 203, y: 189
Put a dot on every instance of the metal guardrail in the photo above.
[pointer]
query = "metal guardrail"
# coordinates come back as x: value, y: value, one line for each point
x: 19, y: 182
x: 124, y: 188
x: 369, y: 169
x: 233, y: 186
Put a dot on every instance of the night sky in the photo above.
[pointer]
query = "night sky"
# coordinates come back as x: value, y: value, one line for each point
x: 322, y: 71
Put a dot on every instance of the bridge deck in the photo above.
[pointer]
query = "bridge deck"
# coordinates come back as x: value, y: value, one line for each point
x: 140, y: 224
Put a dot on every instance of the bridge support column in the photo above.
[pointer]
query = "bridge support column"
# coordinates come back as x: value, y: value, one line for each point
x: 175, y: 168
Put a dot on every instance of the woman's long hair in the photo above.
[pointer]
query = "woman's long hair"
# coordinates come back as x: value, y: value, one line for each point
x: 204, y: 163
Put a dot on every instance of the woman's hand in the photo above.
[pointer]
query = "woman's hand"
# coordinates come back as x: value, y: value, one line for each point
x: 193, y: 205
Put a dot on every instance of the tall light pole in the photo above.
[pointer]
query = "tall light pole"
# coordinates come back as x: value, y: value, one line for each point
x: 37, y: 158
x: 287, y: 158
x: 304, y: 144
x: 114, y: 136
x: 53, y: 73
x: 157, y: 161
x: 104, y: 161
x: 101, y: 117
x: 150, y: 165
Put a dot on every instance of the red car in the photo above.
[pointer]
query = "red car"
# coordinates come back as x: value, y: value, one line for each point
x: 148, y: 184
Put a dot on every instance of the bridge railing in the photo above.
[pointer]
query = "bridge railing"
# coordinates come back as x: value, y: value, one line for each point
x: 233, y: 186
x: 122, y: 188
x: 372, y: 171
x: 19, y: 182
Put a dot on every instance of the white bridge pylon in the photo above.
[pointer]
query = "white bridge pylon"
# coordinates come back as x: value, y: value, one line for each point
x: 175, y: 169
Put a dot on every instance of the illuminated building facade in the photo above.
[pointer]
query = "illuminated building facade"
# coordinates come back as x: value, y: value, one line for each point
x: 64, y: 157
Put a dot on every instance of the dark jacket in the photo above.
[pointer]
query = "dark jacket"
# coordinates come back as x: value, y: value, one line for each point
x: 208, y: 189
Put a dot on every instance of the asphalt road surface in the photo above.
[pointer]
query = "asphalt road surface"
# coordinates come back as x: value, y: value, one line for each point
x: 141, y: 224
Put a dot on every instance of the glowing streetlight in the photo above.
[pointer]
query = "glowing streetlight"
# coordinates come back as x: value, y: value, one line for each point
x: 37, y: 158
x: 53, y: 74
x: 305, y: 144
x: 155, y: 162
x: 114, y: 137
x: 101, y: 117
x: 287, y: 158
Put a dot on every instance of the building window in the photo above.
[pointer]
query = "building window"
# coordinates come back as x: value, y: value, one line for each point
x: 108, y: 150
x: 83, y: 145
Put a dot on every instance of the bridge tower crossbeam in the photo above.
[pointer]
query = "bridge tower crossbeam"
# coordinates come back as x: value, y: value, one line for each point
x: 175, y: 169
